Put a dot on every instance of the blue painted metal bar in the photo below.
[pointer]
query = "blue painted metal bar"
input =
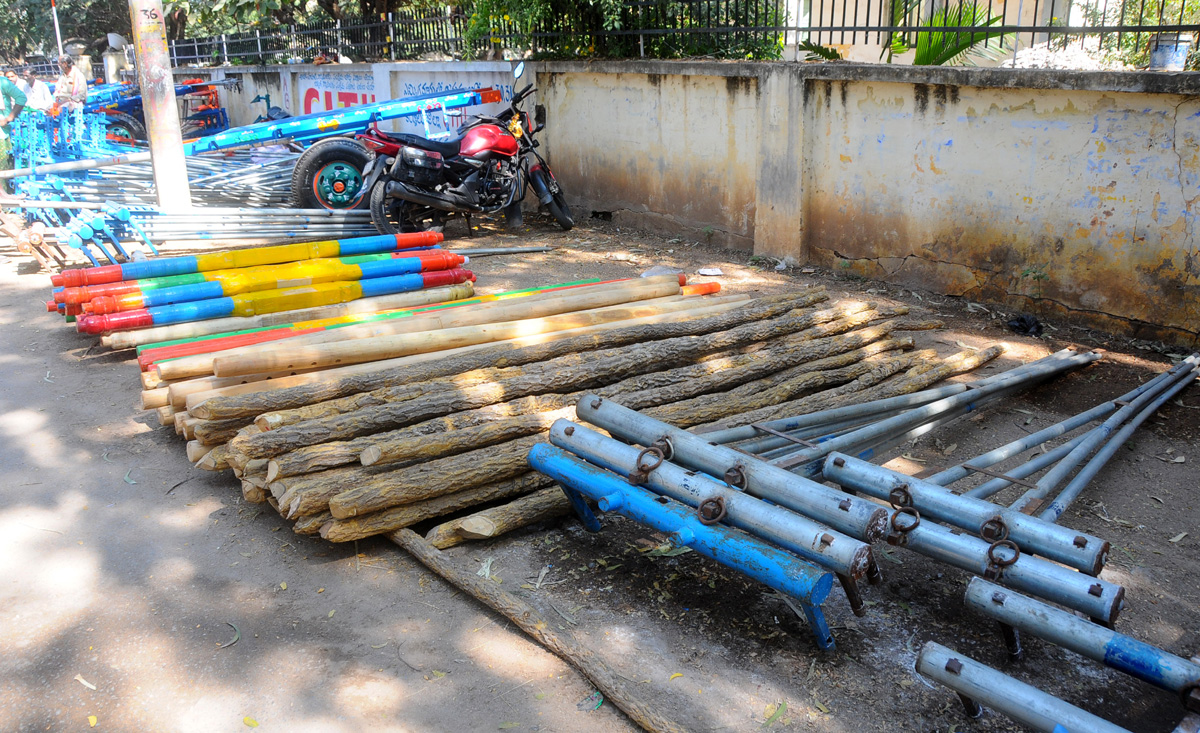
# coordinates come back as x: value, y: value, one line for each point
x: 977, y: 683
x: 1138, y: 659
x: 806, y: 583
x: 325, y: 124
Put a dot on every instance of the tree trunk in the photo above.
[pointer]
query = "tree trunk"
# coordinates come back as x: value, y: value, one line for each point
x: 390, y: 520
x: 489, y: 523
x: 500, y: 355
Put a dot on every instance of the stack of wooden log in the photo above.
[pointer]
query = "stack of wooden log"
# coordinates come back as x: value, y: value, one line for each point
x: 389, y: 431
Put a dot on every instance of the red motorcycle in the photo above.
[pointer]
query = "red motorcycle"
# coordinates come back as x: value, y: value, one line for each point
x: 485, y: 170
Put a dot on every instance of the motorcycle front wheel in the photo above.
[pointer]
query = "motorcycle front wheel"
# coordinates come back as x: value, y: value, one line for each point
x: 561, y: 212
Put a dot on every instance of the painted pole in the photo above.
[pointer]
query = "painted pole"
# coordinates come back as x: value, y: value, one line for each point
x: 270, y: 301
x: 158, y: 102
x: 976, y: 683
x: 57, y: 32
x: 249, y: 257
x: 1135, y: 658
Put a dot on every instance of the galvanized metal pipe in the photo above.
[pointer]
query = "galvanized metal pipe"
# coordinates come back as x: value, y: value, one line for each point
x: 788, y: 574
x: 1024, y: 470
x: 1061, y: 544
x: 855, y: 517
x: 1138, y: 659
x: 918, y: 415
x: 993, y: 457
x: 1030, y: 499
x: 865, y: 409
x: 1093, y: 466
x: 799, y: 534
x: 1021, y: 702
x: 1095, y: 597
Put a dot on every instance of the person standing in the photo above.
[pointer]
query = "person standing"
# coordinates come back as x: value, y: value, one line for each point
x: 37, y: 94
x: 70, y: 90
x: 14, y: 102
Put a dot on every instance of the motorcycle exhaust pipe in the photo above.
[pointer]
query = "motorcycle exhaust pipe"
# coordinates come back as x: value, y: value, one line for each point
x: 401, y: 190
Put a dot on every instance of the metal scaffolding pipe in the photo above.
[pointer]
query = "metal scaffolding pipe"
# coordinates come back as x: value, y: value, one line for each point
x: 799, y: 534
x: 977, y: 683
x: 1031, y: 500
x: 856, y: 517
x: 1135, y: 658
x: 756, y: 559
x: 865, y: 409
x: 1061, y: 544
x: 1095, y: 597
x: 954, y: 473
x: 1092, y: 467
x: 916, y: 416
x: 1024, y: 470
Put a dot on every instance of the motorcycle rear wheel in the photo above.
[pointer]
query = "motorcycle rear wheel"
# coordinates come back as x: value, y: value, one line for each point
x: 391, y: 215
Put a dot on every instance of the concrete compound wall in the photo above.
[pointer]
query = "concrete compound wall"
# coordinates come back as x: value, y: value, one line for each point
x: 1070, y: 194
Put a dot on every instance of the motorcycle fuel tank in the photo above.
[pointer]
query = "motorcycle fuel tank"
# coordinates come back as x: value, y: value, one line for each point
x: 485, y: 139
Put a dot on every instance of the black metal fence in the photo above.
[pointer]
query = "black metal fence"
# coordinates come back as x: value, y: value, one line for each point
x: 936, y: 30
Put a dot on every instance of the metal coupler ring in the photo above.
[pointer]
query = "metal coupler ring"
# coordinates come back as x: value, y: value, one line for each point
x: 994, y: 529
x: 900, y: 497
x: 907, y: 511
x: 664, y: 445
x: 711, y: 510
x: 735, y: 477
x: 1000, y: 562
x: 653, y: 450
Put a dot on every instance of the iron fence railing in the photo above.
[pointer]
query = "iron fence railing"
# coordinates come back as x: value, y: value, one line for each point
x: 754, y: 29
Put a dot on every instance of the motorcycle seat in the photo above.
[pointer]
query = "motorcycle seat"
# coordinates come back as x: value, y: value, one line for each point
x: 448, y: 148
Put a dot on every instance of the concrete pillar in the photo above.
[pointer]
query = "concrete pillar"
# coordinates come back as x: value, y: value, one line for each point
x: 158, y: 103
x: 779, y: 190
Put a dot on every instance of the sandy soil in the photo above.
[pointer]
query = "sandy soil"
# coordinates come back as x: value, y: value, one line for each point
x: 124, y: 569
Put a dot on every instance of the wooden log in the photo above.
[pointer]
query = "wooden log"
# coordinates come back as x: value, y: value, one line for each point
x: 151, y: 380
x: 506, y: 354
x: 390, y: 347
x: 855, y: 314
x: 560, y: 302
x: 491, y: 523
x: 433, y: 478
x: 390, y: 520
x: 215, y: 459
x: 822, y: 401
x: 197, y: 450
x: 614, y: 688
x: 256, y: 467
x: 178, y: 419
x: 215, y: 432
x: 254, y: 490
x: 166, y: 415
x: 781, y: 386
x: 315, y: 378
x: 153, y: 399
x: 629, y: 361
x: 180, y: 390
x: 188, y: 427
x: 311, y: 525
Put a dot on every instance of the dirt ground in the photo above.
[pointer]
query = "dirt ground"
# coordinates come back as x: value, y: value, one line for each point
x: 126, y: 574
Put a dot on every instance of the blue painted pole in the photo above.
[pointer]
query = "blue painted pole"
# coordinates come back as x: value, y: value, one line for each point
x: 1121, y: 652
x: 806, y: 583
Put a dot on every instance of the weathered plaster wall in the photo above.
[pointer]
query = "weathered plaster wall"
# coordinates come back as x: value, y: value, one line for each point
x: 1061, y: 193
x: 664, y: 152
x: 1058, y: 200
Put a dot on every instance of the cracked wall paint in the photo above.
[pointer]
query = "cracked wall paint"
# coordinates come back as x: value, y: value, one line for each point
x: 1059, y: 202
x: 673, y: 153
